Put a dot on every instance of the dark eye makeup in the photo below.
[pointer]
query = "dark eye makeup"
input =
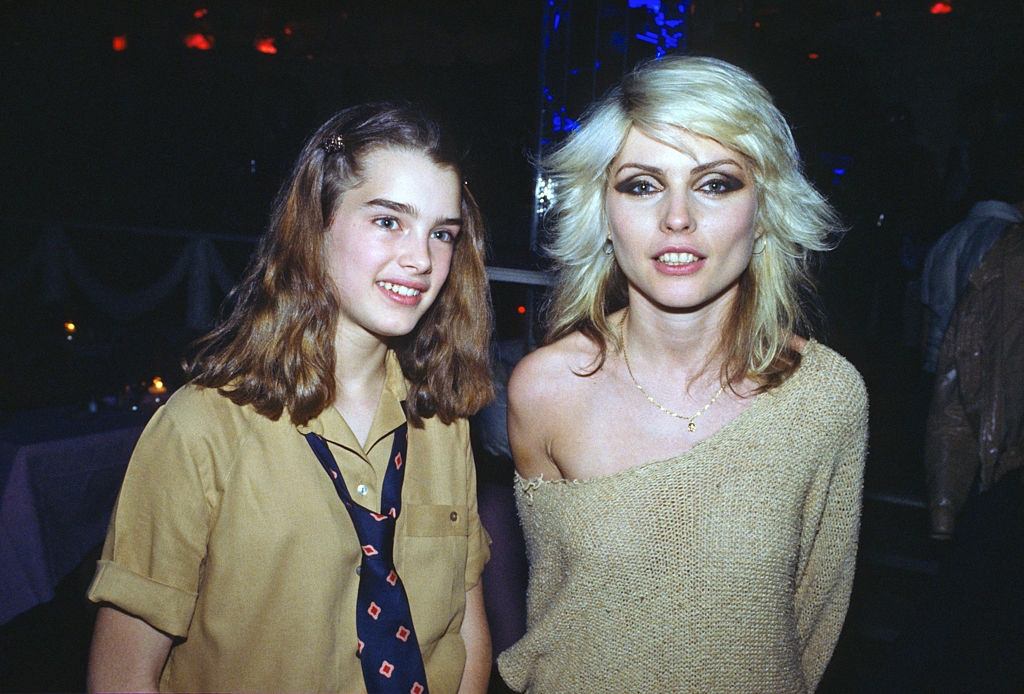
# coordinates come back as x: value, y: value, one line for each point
x: 719, y: 184
x: 637, y: 186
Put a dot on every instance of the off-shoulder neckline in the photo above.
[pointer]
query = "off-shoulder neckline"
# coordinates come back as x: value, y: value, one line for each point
x: 810, y: 351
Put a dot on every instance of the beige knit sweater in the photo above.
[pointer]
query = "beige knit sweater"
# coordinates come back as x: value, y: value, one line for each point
x: 725, y: 569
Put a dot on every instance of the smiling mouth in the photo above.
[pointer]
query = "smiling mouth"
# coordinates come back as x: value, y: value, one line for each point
x: 399, y: 289
x: 677, y: 258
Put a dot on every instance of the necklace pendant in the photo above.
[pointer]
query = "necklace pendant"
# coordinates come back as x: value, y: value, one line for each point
x: 692, y: 426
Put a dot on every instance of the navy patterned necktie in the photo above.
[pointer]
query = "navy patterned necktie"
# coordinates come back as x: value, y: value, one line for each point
x: 388, y: 650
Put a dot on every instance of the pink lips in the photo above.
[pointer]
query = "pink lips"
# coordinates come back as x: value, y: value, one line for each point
x: 682, y: 269
x: 404, y: 299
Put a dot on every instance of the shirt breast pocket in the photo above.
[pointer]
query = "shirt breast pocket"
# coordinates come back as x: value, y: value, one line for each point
x: 431, y: 558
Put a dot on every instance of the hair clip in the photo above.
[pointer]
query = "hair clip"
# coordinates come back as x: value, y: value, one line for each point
x: 333, y: 144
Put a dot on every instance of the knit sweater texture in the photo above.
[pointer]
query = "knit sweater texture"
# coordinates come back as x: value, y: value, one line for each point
x: 725, y: 569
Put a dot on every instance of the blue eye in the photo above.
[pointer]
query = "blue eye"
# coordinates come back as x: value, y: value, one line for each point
x: 389, y: 223
x: 721, y: 184
x: 443, y: 235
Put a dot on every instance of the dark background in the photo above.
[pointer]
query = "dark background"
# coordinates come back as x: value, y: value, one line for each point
x: 886, y: 99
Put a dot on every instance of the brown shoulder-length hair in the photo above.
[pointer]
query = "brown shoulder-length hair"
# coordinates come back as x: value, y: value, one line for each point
x: 275, y: 349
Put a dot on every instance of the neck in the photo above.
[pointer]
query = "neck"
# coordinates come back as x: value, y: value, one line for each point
x: 683, y: 343
x: 359, y: 362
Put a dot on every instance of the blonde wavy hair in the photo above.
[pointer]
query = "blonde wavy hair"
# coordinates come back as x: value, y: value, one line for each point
x: 717, y: 100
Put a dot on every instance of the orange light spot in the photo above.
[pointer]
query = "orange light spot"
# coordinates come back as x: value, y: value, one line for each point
x: 200, y: 13
x: 941, y: 8
x: 878, y: 13
x: 520, y: 310
x: 757, y: 25
x: 289, y: 29
x: 119, y: 43
x: 199, y: 42
x: 265, y: 44
x: 813, y: 56
x: 157, y: 386
x: 70, y: 327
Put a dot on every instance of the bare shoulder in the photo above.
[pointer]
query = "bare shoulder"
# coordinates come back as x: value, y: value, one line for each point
x: 549, y: 370
x: 541, y: 394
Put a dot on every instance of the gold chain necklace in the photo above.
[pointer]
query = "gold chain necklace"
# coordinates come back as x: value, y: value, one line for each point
x: 691, y: 420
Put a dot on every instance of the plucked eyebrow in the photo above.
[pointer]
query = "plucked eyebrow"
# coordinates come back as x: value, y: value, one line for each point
x: 699, y: 169
x: 411, y: 211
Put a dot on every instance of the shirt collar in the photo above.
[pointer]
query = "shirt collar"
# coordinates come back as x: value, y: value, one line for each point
x: 389, y: 414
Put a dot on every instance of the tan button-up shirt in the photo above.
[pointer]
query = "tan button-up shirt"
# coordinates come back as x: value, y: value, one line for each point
x: 228, y: 534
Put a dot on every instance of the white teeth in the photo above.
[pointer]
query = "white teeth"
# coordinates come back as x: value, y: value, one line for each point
x: 399, y: 289
x: 677, y: 258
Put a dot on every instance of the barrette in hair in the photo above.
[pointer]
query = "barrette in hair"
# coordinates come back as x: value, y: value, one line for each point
x: 333, y: 144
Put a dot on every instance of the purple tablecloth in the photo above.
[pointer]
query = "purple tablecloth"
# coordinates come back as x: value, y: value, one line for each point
x: 59, y: 477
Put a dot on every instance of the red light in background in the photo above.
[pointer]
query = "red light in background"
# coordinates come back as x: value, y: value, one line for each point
x: 200, y: 13
x: 289, y: 29
x: 813, y: 56
x: 199, y: 42
x: 265, y: 44
x: 757, y: 25
x: 119, y: 43
x: 941, y: 8
x: 520, y: 310
x: 878, y: 13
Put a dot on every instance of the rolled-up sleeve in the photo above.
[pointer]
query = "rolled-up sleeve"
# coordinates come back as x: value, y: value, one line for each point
x: 156, y: 543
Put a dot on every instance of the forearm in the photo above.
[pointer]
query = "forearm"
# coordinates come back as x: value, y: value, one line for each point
x: 477, y: 638
x: 127, y: 654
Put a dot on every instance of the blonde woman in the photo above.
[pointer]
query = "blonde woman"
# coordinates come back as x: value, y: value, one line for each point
x: 689, y: 463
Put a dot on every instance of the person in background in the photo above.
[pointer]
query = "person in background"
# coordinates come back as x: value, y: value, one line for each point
x: 689, y: 464
x: 302, y: 516
x: 975, y: 381
x: 950, y: 262
x: 968, y: 632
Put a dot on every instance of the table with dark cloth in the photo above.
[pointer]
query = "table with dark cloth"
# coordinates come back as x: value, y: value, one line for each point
x: 60, y: 472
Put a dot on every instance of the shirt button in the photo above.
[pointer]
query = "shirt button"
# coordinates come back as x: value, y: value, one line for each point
x: 454, y: 516
x: 359, y: 570
x: 361, y: 490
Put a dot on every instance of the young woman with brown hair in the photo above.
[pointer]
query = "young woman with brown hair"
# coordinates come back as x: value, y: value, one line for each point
x: 314, y: 481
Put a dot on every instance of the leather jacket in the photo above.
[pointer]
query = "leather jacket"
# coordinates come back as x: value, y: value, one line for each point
x: 975, y: 431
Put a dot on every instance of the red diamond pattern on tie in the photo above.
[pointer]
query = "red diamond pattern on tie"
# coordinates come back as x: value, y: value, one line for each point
x: 387, y: 647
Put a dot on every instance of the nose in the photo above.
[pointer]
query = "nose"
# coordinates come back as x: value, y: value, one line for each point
x: 415, y: 253
x: 676, y: 216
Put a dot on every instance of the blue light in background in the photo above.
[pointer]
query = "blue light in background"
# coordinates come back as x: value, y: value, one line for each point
x: 668, y: 33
